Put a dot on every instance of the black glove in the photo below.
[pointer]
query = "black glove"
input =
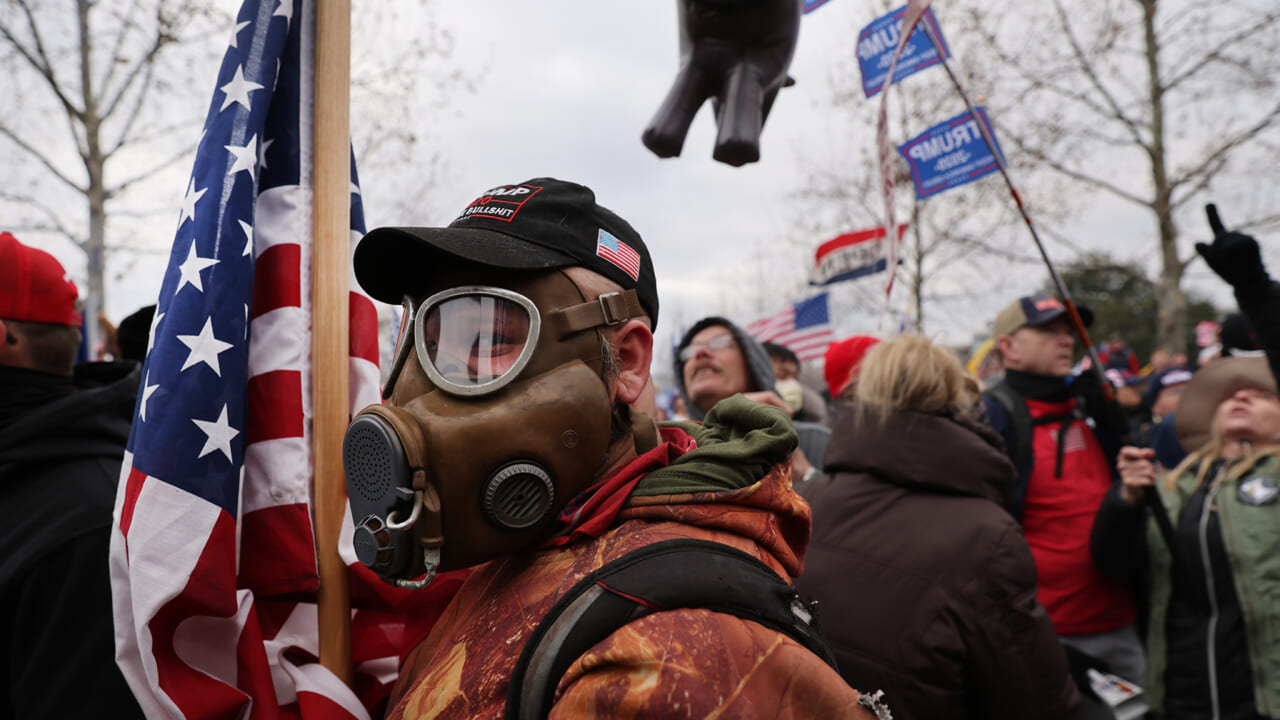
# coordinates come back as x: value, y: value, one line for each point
x: 1111, y: 424
x: 735, y: 52
x: 1233, y: 256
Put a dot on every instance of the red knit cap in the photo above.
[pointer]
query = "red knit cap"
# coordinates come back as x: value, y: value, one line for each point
x: 34, y: 287
x: 843, y: 360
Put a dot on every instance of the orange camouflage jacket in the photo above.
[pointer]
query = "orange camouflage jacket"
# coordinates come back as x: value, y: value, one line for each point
x: 685, y: 663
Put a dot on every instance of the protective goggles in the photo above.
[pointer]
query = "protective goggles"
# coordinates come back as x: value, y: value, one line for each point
x: 475, y: 339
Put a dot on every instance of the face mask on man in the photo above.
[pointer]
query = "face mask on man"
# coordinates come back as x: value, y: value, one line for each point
x: 498, y: 414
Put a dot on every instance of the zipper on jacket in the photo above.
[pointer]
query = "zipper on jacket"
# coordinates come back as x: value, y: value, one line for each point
x: 1213, y: 597
x: 1256, y: 659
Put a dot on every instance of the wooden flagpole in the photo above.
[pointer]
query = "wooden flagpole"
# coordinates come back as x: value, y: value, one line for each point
x: 331, y: 233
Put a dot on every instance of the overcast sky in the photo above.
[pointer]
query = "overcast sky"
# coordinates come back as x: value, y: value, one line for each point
x: 566, y: 89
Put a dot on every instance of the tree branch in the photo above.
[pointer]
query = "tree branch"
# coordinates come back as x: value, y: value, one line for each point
x: 1086, y: 67
x: 33, y: 152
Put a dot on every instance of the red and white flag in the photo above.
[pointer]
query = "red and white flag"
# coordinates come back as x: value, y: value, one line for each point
x: 213, y: 558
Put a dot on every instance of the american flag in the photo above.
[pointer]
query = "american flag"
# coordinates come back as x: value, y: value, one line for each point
x: 213, y: 559
x: 619, y: 253
x: 804, y: 327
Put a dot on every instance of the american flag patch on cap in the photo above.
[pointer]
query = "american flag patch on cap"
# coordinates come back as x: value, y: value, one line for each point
x: 619, y: 253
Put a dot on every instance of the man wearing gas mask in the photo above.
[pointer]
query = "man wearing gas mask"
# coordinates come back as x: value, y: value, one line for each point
x: 508, y: 450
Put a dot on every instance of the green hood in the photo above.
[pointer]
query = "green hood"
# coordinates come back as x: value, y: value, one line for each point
x: 739, y: 441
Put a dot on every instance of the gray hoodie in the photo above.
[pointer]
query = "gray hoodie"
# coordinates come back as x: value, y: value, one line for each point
x: 758, y: 364
x: 813, y: 436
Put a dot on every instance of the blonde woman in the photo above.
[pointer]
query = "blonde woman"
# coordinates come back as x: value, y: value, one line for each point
x: 925, y: 584
x: 1213, y: 637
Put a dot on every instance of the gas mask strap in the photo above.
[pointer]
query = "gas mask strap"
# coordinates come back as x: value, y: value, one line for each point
x: 645, y: 431
x: 406, y: 346
x: 432, y: 537
x: 609, y: 309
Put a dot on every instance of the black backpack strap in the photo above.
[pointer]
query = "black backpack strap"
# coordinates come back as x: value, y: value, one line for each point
x: 1019, y: 425
x: 663, y: 576
x: 1017, y: 438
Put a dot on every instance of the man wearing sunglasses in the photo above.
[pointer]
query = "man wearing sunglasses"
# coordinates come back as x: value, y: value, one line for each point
x: 510, y: 455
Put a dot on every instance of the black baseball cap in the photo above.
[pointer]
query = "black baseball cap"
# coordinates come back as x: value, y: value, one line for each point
x: 538, y: 224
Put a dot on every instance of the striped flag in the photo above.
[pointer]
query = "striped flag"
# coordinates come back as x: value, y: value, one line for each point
x: 804, y: 327
x: 619, y: 253
x: 213, y: 559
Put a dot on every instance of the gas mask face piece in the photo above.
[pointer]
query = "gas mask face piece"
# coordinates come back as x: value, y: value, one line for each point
x: 498, y: 415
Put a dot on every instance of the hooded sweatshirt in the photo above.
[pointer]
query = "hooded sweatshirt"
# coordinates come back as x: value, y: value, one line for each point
x: 61, y: 445
x: 813, y: 436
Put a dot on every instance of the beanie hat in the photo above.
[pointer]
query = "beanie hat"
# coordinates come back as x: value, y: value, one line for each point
x: 1238, y: 336
x: 843, y: 360
x: 34, y: 287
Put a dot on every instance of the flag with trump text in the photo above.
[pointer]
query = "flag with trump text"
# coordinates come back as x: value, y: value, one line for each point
x: 213, y: 558
x: 804, y: 327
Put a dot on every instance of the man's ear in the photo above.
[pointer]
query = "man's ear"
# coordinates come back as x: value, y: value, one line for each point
x: 1004, y: 343
x: 634, y: 345
x: 8, y: 354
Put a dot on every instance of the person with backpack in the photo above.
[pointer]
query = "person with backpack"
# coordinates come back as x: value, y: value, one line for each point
x: 1063, y: 437
x: 599, y: 566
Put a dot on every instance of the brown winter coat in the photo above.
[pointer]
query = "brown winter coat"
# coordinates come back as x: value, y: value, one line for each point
x: 925, y: 584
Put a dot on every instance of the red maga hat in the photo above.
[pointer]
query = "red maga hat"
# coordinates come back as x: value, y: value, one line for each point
x: 844, y: 359
x: 34, y: 287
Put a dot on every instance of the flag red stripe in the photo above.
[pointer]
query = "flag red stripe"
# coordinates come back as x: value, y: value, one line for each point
x: 275, y: 406
x: 364, y: 323
x: 133, y: 486
x: 276, y: 279
x: 289, y: 566
x: 196, y: 693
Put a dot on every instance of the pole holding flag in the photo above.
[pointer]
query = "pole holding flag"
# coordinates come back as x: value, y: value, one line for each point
x: 220, y: 535
x: 910, y: 19
x: 331, y: 227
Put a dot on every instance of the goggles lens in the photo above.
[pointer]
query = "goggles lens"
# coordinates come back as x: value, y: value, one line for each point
x: 475, y: 340
x: 718, y: 342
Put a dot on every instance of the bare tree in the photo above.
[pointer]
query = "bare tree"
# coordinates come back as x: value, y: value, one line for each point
x: 1161, y: 103
x: 953, y: 240
x: 97, y: 86
x: 404, y: 78
x: 108, y: 97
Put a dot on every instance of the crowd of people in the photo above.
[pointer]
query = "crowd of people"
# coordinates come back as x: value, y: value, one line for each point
x: 902, y: 542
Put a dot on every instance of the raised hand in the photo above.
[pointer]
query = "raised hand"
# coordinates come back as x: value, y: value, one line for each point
x: 735, y: 52
x: 1233, y: 256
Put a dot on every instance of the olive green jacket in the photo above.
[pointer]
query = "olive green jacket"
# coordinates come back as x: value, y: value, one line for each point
x: 1251, y: 534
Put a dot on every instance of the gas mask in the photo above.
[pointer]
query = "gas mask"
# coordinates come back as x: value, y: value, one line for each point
x: 498, y: 415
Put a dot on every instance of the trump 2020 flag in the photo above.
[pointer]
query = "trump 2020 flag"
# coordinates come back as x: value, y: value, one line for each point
x: 881, y: 38
x: 804, y: 327
x: 952, y: 153
x: 213, y: 557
